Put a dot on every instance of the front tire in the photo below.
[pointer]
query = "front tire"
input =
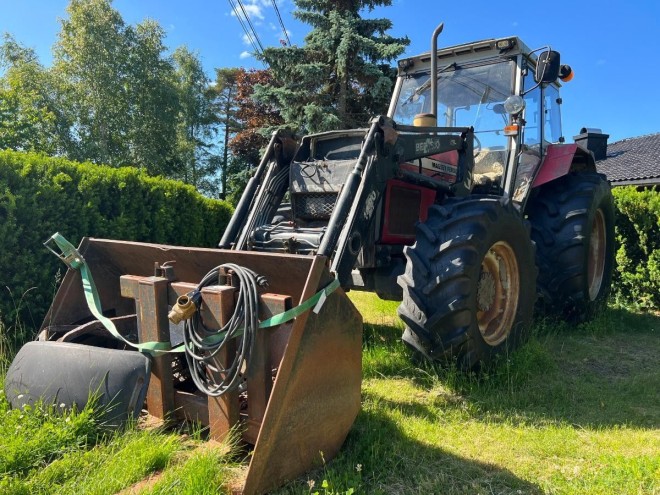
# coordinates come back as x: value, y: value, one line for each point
x: 573, y: 226
x: 470, y: 282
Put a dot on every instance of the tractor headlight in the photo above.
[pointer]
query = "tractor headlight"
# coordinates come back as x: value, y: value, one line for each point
x: 514, y: 105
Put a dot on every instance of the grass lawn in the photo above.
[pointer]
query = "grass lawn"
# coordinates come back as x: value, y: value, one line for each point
x: 574, y: 411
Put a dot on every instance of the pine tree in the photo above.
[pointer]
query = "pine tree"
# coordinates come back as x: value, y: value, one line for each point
x: 340, y: 78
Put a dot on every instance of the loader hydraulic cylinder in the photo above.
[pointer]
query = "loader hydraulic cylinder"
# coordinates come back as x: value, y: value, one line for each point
x: 239, y: 216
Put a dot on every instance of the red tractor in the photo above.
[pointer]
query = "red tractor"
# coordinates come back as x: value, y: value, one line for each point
x: 464, y: 201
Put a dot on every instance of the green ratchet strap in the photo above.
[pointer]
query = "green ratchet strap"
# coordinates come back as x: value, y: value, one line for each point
x: 316, y: 301
x: 318, y: 298
x: 72, y: 258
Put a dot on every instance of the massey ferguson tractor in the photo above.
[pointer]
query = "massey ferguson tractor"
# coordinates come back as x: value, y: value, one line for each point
x: 463, y: 202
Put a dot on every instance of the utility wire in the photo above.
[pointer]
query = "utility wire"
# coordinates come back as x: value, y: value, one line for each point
x: 277, y: 11
x: 245, y: 29
x: 254, y: 31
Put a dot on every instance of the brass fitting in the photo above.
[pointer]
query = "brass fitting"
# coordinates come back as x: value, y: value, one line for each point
x: 184, y: 308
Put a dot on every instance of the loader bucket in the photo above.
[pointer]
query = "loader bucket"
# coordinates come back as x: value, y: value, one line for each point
x: 304, y: 378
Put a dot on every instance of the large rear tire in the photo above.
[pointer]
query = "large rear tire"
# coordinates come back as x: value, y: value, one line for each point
x: 470, y: 282
x: 573, y: 226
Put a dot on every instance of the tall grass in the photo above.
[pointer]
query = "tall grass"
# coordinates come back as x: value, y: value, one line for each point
x: 13, y: 336
x: 575, y: 410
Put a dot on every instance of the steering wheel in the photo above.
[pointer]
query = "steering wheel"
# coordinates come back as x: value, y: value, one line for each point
x: 477, y: 145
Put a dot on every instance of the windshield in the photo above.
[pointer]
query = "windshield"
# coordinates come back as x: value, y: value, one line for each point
x: 467, y: 97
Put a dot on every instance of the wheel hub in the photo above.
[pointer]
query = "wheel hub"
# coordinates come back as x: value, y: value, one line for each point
x: 498, y: 291
x: 487, y: 291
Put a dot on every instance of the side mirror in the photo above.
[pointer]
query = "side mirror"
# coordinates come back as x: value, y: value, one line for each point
x: 547, y: 67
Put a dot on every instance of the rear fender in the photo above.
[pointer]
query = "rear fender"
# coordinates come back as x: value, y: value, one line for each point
x: 562, y: 159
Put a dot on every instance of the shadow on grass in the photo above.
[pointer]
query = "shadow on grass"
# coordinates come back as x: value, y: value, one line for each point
x: 598, y: 374
x: 379, y: 458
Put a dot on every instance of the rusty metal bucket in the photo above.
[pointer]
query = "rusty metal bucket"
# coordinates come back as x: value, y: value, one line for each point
x: 309, y: 406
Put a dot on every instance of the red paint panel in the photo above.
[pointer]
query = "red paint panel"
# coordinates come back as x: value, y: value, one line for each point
x: 556, y: 163
x: 427, y: 198
x: 450, y: 157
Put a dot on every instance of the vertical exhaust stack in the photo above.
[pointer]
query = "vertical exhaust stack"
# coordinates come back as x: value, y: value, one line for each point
x: 593, y: 140
x: 434, y: 70
x: 430, y: 119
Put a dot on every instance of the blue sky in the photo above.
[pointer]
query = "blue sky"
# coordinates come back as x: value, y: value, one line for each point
x: 612, y: 45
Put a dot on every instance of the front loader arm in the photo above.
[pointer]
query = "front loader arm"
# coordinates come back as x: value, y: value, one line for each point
x: 257, y: 195
x: 385, y: 148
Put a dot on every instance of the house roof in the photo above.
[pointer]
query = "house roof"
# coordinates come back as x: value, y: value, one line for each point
x: 633, y: 161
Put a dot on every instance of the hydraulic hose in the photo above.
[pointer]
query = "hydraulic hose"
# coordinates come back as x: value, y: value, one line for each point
x: 202, y: 345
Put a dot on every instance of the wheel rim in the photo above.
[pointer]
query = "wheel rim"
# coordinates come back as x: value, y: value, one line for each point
x: 596, y: 262
x: 497, y: 293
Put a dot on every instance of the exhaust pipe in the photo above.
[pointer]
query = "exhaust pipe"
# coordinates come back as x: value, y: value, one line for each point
x: 434, y: 69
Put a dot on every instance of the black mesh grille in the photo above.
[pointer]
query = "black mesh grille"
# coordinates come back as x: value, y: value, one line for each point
x: 315, y: 206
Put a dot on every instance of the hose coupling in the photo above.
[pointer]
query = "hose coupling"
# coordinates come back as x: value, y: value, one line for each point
x: 184, y: 307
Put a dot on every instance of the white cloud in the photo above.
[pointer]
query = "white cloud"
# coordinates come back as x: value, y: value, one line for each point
x: 253, y: 10
x: 247, y: 40
x: 245, y: 54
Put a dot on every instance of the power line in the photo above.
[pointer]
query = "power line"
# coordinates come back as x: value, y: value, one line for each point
x: 277, y: 11
x: 254, y: 31
x: 250, y: 37
x: 245, y: 30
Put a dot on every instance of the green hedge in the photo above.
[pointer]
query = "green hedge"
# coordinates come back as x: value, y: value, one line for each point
x: 637, y: 277
x: 41, y: 195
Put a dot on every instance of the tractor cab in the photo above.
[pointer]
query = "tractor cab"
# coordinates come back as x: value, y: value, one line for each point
x: 494, y: 87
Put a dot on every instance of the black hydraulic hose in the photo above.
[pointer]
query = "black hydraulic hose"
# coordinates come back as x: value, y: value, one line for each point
x: 209, y: 375
x: 238, y: 218
x: 266, y: 207
x: 347, y: 195
x: 263, y: 205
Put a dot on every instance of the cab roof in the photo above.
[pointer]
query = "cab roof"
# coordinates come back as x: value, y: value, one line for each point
x: 476, y: 50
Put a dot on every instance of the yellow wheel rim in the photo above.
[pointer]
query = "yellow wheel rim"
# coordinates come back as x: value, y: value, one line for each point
x: 498, y: 292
